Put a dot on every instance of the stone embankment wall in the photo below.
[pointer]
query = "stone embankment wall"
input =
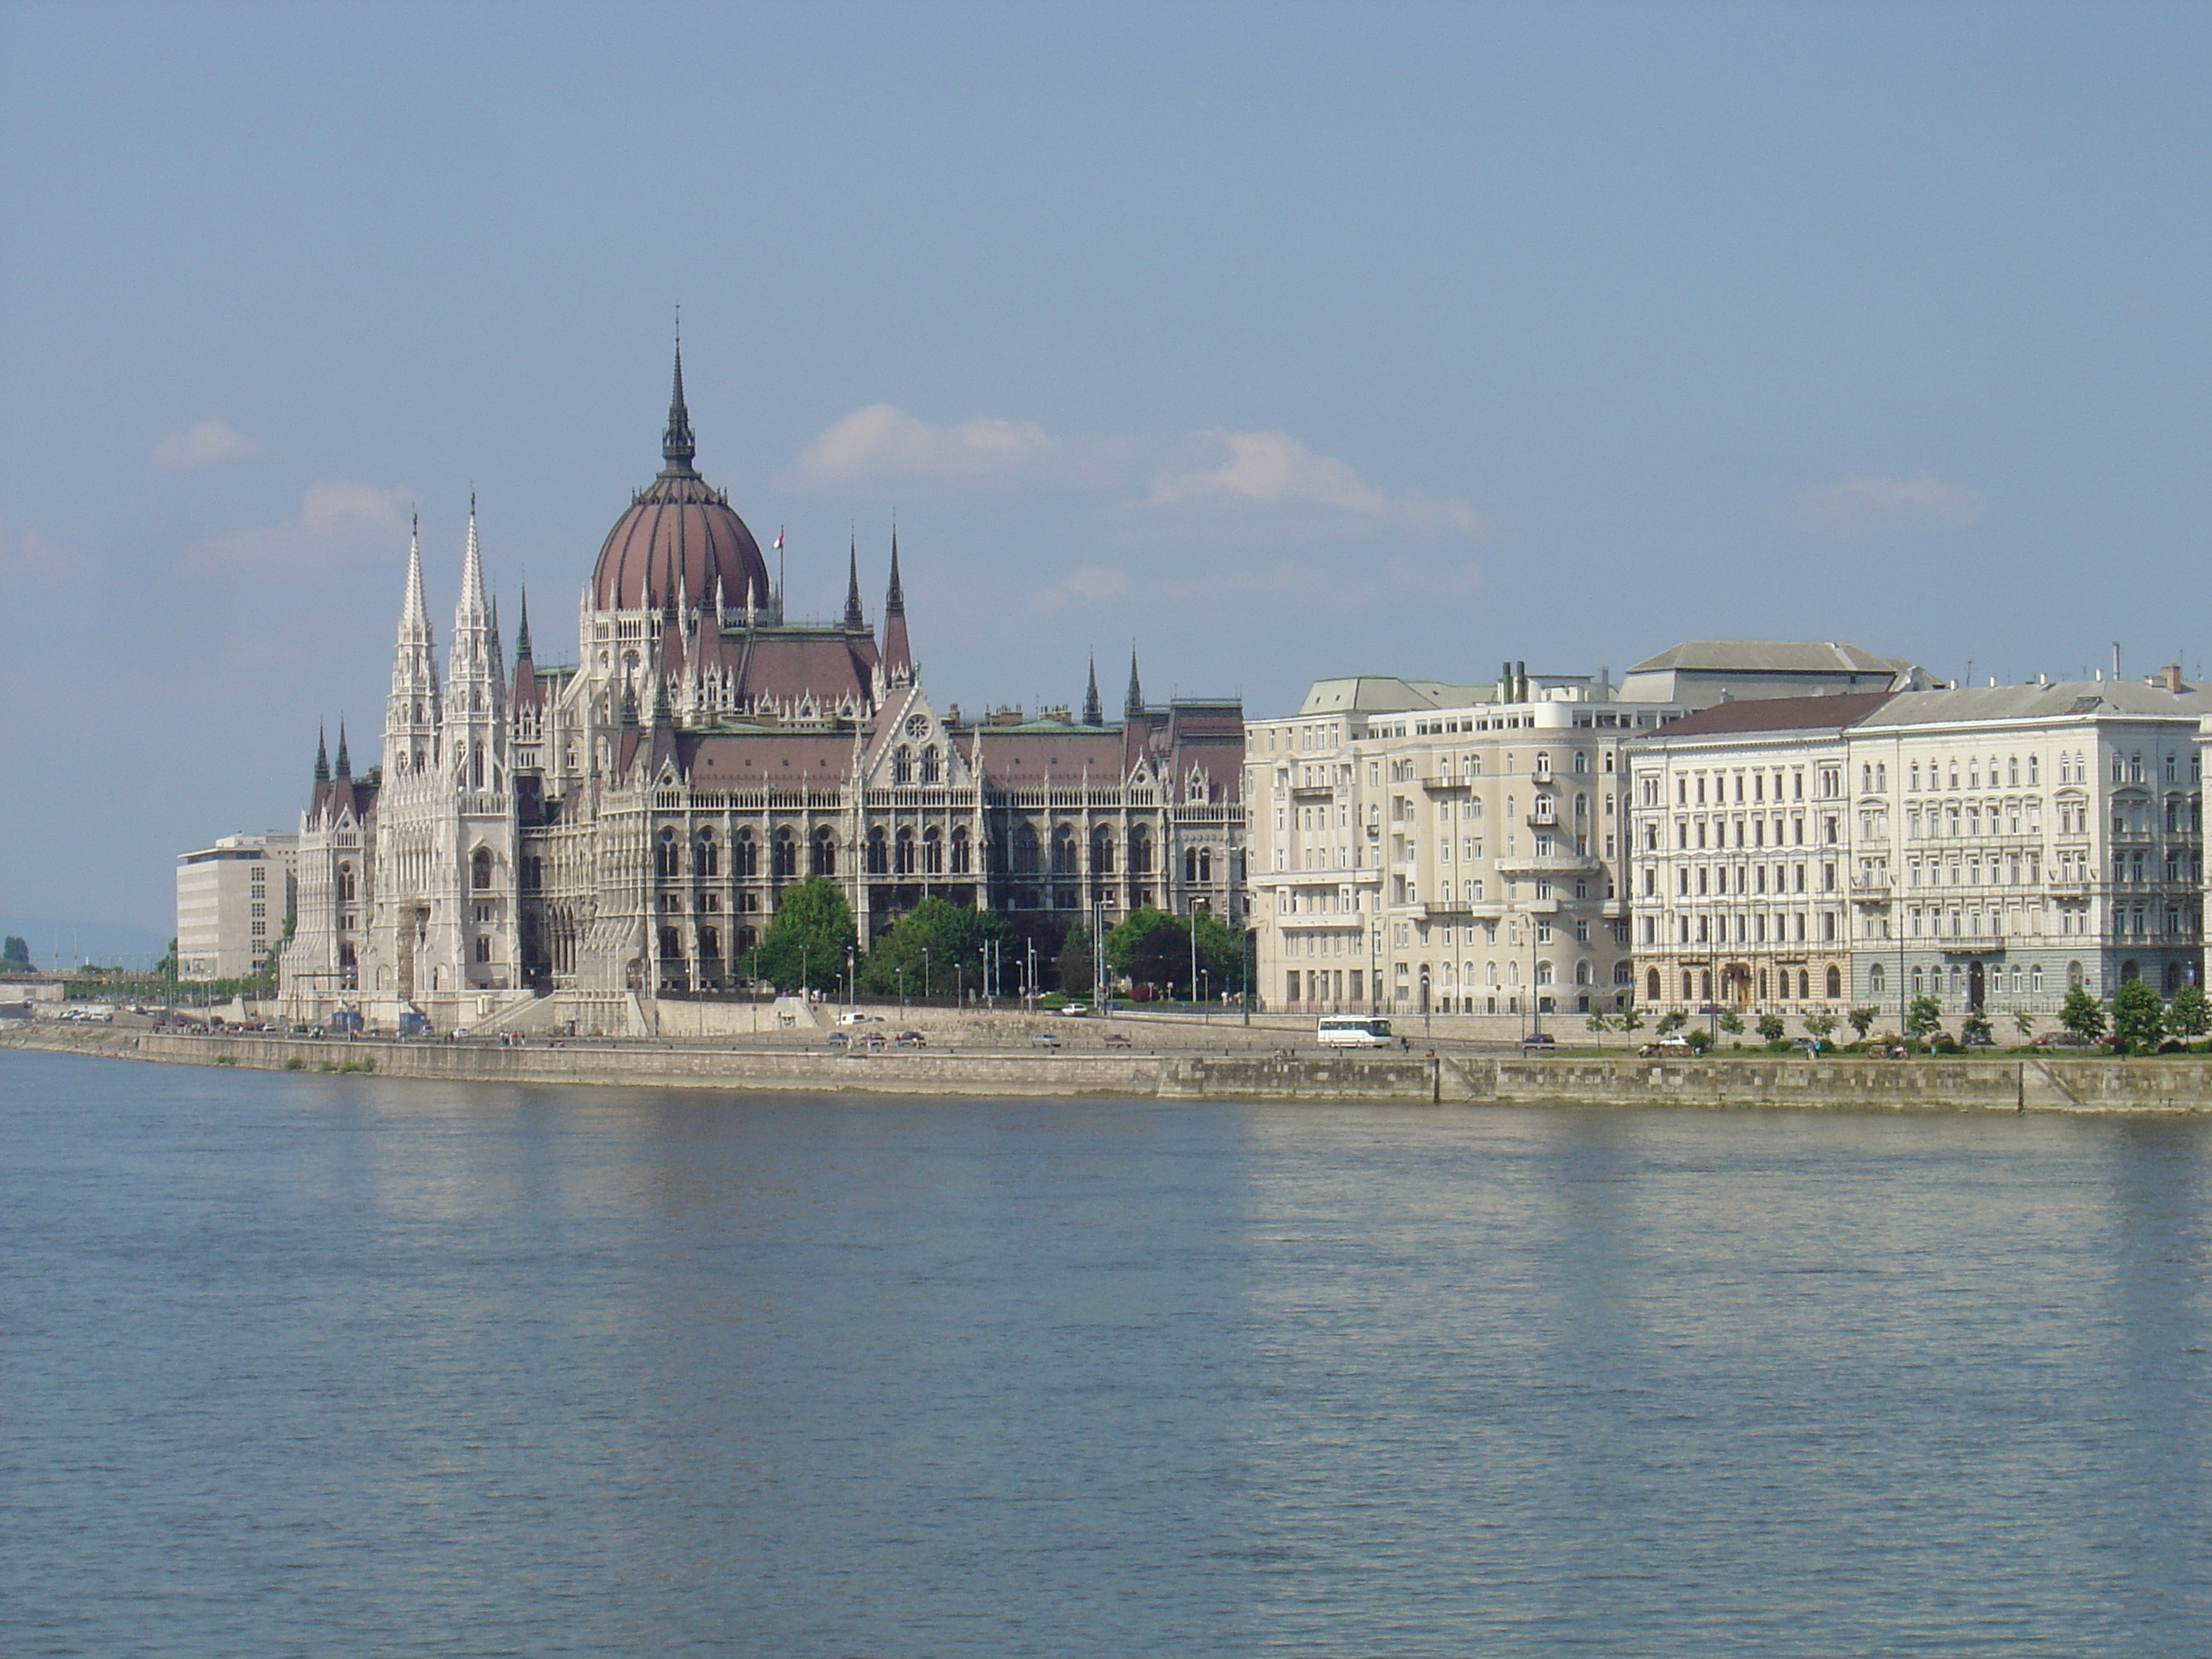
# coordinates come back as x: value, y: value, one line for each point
x: 1991, y: 1085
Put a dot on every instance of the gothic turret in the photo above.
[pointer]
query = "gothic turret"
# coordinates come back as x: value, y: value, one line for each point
x: 411, y: 712
x: 475, y: 729
x: 322, y: 758
x: 1132, y: 705
x: 1092, y: 714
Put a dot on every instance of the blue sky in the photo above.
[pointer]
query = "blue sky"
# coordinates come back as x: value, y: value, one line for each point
x: 1285, y: 340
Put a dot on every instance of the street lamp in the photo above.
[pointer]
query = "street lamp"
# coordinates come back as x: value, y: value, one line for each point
x: 924, y: 973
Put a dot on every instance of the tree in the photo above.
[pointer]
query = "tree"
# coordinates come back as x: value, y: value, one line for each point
x: 1073, y: 970
x: 1600, y: 1022
x: 1630, y: 1019
x: 1975, y: 1028
x: 2082, y: 1015
x: 16, y: 956
x: 1862, y: 1020
x: 1923, y: 1018
x: 1672, y: 1021
x: 2138, y: 1018
x: 2024, y: 1022
x: 931, y: 951
x: 2189, y: 1015
x: 1150, y: 947
x: 1771, y: 1026
x: 1821, y: 1024
x: 1731, y: 1022
x: 808, y: 937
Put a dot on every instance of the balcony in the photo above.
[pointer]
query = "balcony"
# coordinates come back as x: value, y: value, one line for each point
x: 1549, y: 863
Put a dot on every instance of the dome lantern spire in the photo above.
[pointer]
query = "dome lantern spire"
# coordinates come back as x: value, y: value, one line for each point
x: 678, y: 447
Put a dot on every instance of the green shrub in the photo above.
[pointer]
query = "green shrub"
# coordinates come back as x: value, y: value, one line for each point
x: 296, y: 1064
x: 226, y: 1060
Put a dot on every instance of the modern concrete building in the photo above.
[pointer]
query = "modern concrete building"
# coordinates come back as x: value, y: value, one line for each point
x: 232, y: 899
x: 1419, y: 847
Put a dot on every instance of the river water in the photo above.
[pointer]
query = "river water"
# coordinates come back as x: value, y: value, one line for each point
x: 307, y: 1364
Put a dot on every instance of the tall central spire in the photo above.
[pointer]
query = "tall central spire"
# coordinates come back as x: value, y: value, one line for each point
x: 677, y: 447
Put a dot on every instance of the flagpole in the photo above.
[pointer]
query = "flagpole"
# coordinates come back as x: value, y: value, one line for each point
x: 779, y: 573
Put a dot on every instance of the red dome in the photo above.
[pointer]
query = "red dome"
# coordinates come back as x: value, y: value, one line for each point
x: 676, y: 539
x: 678, y: 535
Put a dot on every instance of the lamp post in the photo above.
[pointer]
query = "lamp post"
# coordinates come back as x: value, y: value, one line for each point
x: 924, y: 973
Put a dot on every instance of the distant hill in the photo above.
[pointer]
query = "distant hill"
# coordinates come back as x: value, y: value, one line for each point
x: 61, y: 944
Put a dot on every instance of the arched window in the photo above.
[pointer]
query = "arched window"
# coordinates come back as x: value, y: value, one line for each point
x: 824, y: 852
x: 2035, y: 973
x: 1063, y: 850
x: 933, y: 852
x: 1543, y: 972
x: 710, y: 942
x: 345, y: 884
x: 1102, y: 851
x: 902, y: 853
x: 480, y: 869
x: 1140, y: 851
x: 1689, y: 986
x: 903, y: 764
x: 744, y: 856
x: 783, y: 860
x: 707, y: 861
x: 1651, y: 986
x: 672, y: 945
x: 961, y: 864
x: 929, y: 764
x: 878, y: 857
x: 1876, y: 980
x: 2074, y: 976
x: 1025, y: 850
x: 1582, y: 968
x: 1804, y: 985
x: 666, y: 860
x: 1835, y: 983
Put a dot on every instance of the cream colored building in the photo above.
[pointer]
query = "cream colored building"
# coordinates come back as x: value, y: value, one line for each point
x: 232, y: 901
x: 1425, y: 847
x: 1740, y: 819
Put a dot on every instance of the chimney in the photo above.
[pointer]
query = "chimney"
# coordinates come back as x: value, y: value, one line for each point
x: 2170, y: 676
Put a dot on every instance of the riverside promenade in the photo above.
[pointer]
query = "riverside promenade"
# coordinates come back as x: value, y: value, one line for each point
x: 1172, y: 1065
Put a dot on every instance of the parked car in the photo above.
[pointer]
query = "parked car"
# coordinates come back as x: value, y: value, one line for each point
x: 910, y: 1040
x: 1538, y: 1043
x: 854, y: 1017
x: 1808, y: 1045
x: 840, y: 1039
x: 1043, y: 1040
x: 1075, y: 1009
x: 1117, y: 1040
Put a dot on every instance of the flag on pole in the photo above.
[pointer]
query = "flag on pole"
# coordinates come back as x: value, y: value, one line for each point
x: 779, y: 539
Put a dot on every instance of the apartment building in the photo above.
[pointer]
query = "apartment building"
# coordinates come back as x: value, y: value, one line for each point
x: 1742, y: 826
x: 1425, y: 847
x: 2014, y: 842
x: 1988, y: 847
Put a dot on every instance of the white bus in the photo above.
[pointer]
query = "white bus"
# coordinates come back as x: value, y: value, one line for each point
x: 1353, y: 1032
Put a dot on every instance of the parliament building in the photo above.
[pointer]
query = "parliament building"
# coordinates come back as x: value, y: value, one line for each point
x: 621, y: 828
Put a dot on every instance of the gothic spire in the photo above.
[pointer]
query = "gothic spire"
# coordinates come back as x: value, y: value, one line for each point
x: 473, y: 607
x: 677, y: 447
x: 898, y: 658
x: 522, y: 633
x: 345, y: 766
x: 852, y: 617
x: 1092, y: 715
x: 414, y: 615
x: 1133, y: 706
x: 322, y: 758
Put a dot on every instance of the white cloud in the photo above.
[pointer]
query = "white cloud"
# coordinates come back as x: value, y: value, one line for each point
x: 1089, y: 582
x: 881, y: 442
x: 32, y: 559
x: 207, y: 443
x: 1274, y: 466
x: 1874, y: 502
x: 335, y: 519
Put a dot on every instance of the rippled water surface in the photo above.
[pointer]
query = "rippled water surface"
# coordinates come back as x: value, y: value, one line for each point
x: 336, y: 1365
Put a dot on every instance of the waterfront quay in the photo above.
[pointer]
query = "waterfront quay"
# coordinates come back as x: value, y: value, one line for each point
x: 1170, y: 1071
